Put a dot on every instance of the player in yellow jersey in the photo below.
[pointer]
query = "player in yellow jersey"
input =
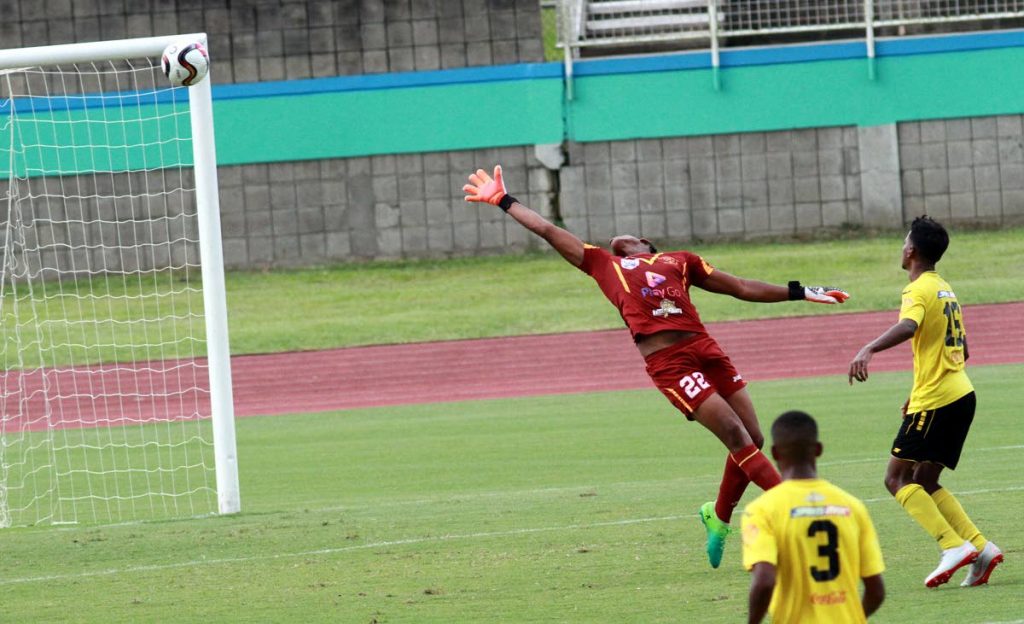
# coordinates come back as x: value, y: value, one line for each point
x: 807, y: 542
x: 938, y: 414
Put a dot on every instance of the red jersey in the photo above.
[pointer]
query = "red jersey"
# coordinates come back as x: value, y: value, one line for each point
x: 651, y: 291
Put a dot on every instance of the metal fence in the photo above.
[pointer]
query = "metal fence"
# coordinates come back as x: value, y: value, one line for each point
x: 634, y: 24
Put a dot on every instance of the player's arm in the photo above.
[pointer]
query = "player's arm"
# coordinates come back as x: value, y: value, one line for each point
x: 900, y: 332
x: 762, y: 584
x: 484, y: 188
x: 874, y: 594
x: 762, y: 292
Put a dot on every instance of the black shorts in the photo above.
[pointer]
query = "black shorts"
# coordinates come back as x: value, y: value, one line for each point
x: 936, y: 435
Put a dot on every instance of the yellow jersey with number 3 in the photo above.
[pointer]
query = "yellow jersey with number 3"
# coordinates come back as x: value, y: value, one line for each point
x: 821, y: 541
x: 939, y: 375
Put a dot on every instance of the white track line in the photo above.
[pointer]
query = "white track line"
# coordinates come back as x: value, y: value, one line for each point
x: 957, y: 493
x: 332, y: 551
x: 389, y: 543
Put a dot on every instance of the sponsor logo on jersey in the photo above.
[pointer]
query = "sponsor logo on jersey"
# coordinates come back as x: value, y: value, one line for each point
x: 668, y: 291
x: 818, y: 511
x: 750, y: 532
x: 736, y: 378
x: 630, y: 263
x: 654, y: 279
x: 667, y: 307
x: 831, y: 598
x: 946, y: 294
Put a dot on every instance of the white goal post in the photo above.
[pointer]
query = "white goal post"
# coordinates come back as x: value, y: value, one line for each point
x: 108, y: 407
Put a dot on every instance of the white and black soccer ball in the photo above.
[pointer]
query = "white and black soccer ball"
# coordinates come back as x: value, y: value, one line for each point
x: 185, y: 63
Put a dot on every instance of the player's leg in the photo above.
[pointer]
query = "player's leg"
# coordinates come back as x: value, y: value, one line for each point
x: 950, y: 430
x: 744, y: 463
x: 989, y: 555
x: 921, y: 447
x: 734, y: 480
x: 691, y: 379
x: 956, y: 553
x: 899, y: 480
x: 717, y: 416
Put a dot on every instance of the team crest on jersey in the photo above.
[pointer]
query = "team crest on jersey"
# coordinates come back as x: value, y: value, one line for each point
x: 667, y: 307
x: 654, y: 279
x: 630, y: 263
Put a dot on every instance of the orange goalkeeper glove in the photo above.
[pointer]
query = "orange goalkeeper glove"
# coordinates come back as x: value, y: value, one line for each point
x: 825, y: 294
x: 487, y: 189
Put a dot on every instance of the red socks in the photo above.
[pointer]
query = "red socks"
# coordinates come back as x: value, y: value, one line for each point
x: 756, y: 466
x: 734, y: 483
x: 746, y: 465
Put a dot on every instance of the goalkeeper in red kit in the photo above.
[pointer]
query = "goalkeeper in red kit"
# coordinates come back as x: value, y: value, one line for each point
x: 651, y: 292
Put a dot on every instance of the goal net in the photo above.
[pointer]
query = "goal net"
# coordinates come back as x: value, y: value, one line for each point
x: 111, y: 292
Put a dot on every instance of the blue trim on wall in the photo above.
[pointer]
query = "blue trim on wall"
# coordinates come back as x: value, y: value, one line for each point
x: 400, y: 80
x: 45, y: 105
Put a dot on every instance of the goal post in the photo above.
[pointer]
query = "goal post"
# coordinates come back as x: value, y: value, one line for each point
x: 116, y: 379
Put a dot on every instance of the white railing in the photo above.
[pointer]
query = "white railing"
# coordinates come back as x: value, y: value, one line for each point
x: 629, y: 24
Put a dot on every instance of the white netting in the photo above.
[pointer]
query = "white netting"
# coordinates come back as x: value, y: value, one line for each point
x: 104, y: 394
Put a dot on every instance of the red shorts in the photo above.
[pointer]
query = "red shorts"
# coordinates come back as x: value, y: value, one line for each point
x: 690, y: 371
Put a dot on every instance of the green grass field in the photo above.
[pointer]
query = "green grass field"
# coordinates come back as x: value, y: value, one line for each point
x: 577, y: 508
x: 510, y: 295
x: 396, y: 302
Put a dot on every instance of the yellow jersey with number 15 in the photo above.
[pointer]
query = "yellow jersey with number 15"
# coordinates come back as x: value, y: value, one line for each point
x: 821, y: 541
x: 939, y: 375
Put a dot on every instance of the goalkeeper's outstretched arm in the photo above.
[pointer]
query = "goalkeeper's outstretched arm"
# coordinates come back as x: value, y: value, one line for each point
x: 484, y: 188
x: 762, y: 292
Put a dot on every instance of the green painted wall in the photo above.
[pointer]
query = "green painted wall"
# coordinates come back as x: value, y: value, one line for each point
x: 800, y: 95
x: 98, y: 139
x: 420, y: 119
x: 523, y: 112
x: 295, y: 127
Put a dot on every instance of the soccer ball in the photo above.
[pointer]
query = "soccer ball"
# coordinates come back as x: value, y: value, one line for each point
x: 185, y: 63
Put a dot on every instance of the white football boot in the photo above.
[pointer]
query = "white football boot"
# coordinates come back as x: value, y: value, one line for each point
x: 982, y: 567
x: 952, y: 560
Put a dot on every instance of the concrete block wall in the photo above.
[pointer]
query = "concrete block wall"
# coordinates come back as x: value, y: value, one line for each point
x: 736, y: 186
x: 725, y: 186
x: 254, y: 40
x: 964, y: 169
x: 318, y: 212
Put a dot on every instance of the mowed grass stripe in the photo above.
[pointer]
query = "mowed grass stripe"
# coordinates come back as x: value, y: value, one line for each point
x: 421, y: 540
x: 566, y: 508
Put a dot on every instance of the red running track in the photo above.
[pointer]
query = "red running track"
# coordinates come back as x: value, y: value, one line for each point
x: 580, y: 362
x: 315, y: 381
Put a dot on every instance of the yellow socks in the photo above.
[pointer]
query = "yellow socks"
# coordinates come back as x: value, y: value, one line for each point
x: 957, y: 518
x: 922, y: 508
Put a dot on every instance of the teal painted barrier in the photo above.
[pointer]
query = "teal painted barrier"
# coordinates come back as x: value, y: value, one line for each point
x: 97, y: 140
x: 388, y: 121
x: 670, y: 95
x: 798, y: 95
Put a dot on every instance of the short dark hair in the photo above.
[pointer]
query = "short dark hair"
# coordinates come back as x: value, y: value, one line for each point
x: 795, y: 437
x: 651, y: 246
x: 795, y: 425
x: 929, y: 238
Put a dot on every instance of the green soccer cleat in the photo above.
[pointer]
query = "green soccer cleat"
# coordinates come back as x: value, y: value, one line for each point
x: 717, y: 532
